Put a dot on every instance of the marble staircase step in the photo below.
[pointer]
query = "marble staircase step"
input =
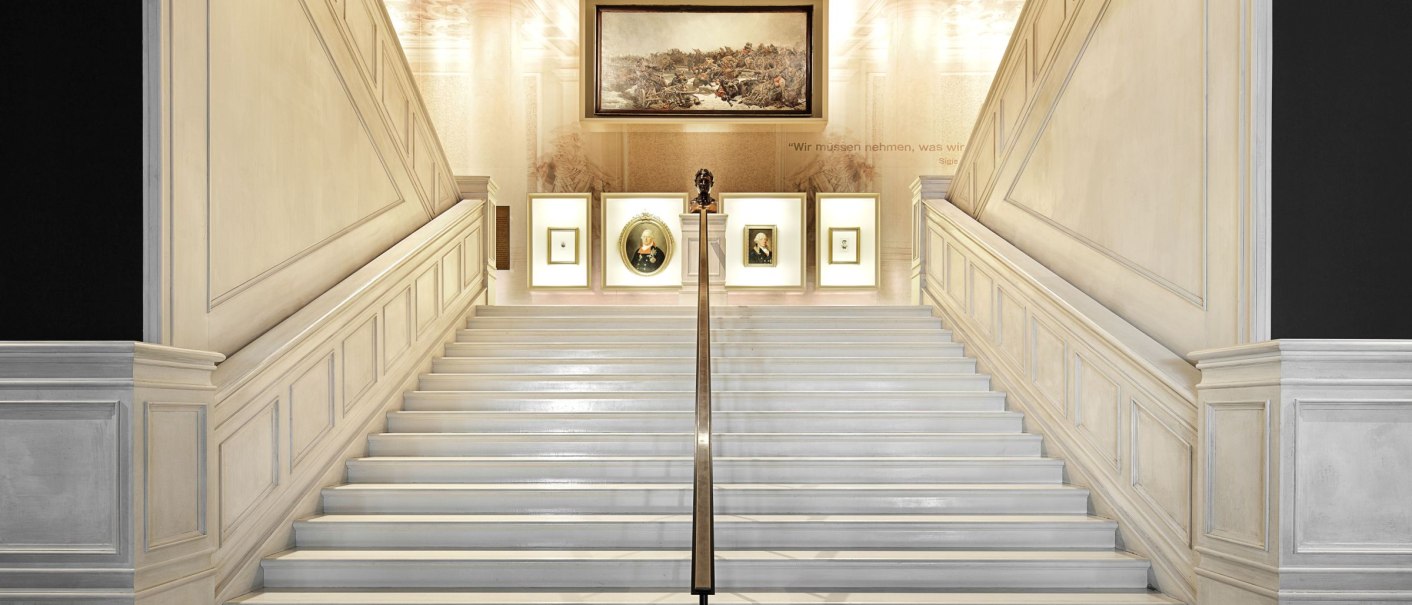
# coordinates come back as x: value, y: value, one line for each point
x: 659, y: 469
x: 617, y: 531
x: 687, y: 364
x: 781, y: 569
x: 679, y: 347
x: 723, y: 444
x: 724, y: 422
x: 800, y: 383
x: 683, y: 401
x: 716, y: 310
x: 598, y: 597
x: 842, y: 337
x: 633, y: 321
x: 675, y: 498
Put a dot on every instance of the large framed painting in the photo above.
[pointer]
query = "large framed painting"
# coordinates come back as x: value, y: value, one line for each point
x: 667, y: 60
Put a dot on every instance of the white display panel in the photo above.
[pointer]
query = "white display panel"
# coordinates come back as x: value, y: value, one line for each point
x: 554, y: 218
x: 838, y: 215
x: 620, y: 209
x: 785, y: 212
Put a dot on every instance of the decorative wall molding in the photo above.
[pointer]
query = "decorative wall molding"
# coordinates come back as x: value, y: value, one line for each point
x: 333, y: 368
x: 1115, y: 404
x: 1206, y: 283
x: 124, y: 425
x: 179, y: 470
x: 1295, y: 499
x: 483, y: 188
x: 199, y: 295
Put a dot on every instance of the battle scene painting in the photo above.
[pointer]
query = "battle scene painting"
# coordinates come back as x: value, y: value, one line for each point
x: 704, y: 60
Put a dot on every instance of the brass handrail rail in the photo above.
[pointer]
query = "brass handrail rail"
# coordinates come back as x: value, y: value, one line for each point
x: 703, y: 529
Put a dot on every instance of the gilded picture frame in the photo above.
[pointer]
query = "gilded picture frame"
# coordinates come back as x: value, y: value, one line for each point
x: 646, y: 244
x: 844, y: 247
x: 770, y: 256
x: 712, y: 59
x: 561, y: 242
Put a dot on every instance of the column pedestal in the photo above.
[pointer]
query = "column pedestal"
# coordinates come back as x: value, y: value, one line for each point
x: 1301, y: 491
x: 716, y: 239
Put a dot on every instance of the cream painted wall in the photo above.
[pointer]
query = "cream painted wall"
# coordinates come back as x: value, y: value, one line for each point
x: 294, y: 148
x: 502, y: 78
x: 1117, y: 147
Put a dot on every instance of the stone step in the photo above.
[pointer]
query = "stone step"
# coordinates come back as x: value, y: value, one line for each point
x: 716, y: 310
x: 679, y: 597
x: 675, y: 498
x: 844, y: 532
x: 667, y: 469
x: 684, y: 401
x: 836, y: 337
x: 687, y: 364
x: 681, y: 443
x: 735, y: 569
x: 799, y: 383
x: 632, y: 321
x: 724, y: 422
x: 687, y: 348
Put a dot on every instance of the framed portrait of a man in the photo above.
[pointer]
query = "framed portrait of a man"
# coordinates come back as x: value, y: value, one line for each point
x: 646, y: 244
x: 760, y: 246
x: 843, y: 245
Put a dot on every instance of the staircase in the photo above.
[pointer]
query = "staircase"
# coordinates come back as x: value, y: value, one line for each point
x: 860, y: 459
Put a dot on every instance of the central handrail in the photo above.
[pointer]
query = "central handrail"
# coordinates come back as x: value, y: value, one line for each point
x: 703, y: 529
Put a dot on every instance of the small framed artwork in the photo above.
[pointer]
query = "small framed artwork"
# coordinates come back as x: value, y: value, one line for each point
x: 563, y: 246
x: 760, y: 246
x: 843, y: 245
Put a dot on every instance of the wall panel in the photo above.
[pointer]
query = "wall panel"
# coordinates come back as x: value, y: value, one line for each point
x: 59, y: 452
x: 312, y: 408
x: 1344, y: 449
x: 290, y: 405
x: 1156, y: 449
x: 1116, y: 405
x: 249, y: 465
x: 175, y: 472
x: 1097, y: 408
x: 298, y: 152
x: 1239, y: 436
x: 360, y: 361
x: 1123, y: 159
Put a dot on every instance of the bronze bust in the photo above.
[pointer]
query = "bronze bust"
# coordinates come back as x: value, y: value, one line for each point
x: 704, y: 181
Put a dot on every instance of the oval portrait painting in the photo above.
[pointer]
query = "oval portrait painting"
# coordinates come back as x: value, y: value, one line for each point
x: 646, y: 244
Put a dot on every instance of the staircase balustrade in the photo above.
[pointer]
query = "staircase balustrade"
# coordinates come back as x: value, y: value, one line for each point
x: 703, y: 530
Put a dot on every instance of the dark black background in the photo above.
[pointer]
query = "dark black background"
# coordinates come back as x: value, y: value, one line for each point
x: 71, y: 230
x: 1342, y: 237
x: 71, y: 148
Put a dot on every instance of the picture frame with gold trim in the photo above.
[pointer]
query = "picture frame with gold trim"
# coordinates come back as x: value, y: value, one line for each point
x: 844, y: 245
x: 751, y: 259
x: 563, y: 246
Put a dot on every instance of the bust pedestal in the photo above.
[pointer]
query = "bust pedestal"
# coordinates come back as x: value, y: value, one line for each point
x: 716, y: 238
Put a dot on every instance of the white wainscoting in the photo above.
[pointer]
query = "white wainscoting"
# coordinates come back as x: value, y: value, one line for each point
x: 140, y: 473
x: 1115, y: 404
x: 1304, y: 459
x: 288, y: 147
x: 104, y: 458
x: 291, y: 403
